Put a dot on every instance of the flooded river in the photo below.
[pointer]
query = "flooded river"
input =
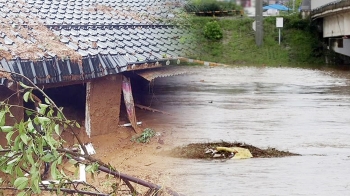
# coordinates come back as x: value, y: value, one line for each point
x: 300, y: 110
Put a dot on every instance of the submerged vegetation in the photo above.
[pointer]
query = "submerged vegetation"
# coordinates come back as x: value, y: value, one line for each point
x: 197, y: 150
x: 299, y: 44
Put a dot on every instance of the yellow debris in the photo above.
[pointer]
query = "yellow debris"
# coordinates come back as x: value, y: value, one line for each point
x: 240, y: 153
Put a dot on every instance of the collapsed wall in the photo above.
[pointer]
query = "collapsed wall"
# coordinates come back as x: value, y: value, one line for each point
x: 103, y: 100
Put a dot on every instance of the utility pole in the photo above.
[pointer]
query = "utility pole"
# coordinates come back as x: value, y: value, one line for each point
x: 293, y: 6
x: 259, y: 22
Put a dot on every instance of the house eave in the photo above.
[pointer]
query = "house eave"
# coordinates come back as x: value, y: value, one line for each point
x: 330, y: 9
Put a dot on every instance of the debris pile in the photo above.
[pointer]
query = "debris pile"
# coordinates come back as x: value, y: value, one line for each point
x: 226, y: 150
x: 232, y: 152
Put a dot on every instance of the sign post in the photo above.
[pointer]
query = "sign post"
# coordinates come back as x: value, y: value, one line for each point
x: 259, y: 33
x: 279, y: 25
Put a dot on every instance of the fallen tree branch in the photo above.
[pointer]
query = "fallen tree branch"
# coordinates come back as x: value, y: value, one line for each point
x: 78, y: 156
x: 34, y: 86
x: 152, y: 186
x: 126, y: 178
x: 70, y: 191
x: 151, y: 109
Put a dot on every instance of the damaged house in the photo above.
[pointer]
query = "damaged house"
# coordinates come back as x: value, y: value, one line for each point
x: 83, y: 52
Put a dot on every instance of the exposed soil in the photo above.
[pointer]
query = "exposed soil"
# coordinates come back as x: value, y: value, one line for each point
x: 197, y: 151
x: 144, y: 161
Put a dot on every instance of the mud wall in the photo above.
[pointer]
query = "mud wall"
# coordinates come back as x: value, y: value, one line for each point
x: 103, y: 105
x: 17, y: 112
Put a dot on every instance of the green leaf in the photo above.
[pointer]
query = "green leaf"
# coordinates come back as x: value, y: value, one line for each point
x: 35, y: 183
x: 8, y: 137
x: 31, y: 126
x: 30, y: 158
x: 40, y: 143
x: 35, y: 168
x: 2, y: 118
x: 50, y: 113
x: 77, y: 125
x: 43, y: 108
x: 26, y: 96
x: 6, y: 129
x: 43, y: 120
x: 29, y: 113
x: 50, y: 141
x: 8, y: 169
x: 47, y: 101
x: 59, y: 160
x: 24, y: 138
x: 19, y: 171
x: 48, y: 157
x: 17, y: 145
x: 89, y: 168
x: 60, y: 114
x: 54, y: 170
x: 36, y: 120
x: 21, y: 183
x: 24, y: 86
x: 57, y: 129
x: 42, y: 105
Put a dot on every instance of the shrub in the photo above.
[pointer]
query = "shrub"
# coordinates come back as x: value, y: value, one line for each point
x: 210, y: 5
x: 145, y: 136
x: 212, y: 31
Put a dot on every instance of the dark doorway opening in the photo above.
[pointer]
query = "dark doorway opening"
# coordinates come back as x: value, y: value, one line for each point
x: 72, y: 98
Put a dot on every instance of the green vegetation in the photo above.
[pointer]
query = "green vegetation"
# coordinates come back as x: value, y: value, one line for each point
x: 33, y: 143
x: 210, y: 5
x: 297, y: 3
x: 212, y: 31
x: 145, y: 136
x: 299, y: 45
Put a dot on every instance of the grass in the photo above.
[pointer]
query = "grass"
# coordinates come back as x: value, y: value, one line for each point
x: 299, y: 44
x: 197, y: 150
x: 145, y: 136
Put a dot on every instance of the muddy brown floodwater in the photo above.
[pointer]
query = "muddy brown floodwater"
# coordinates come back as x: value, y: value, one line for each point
x: 298, y: 110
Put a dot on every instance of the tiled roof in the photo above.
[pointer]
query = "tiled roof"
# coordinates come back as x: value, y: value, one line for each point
x: 82, y: 39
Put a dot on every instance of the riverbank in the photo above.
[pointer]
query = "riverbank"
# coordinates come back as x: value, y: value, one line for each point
x: 299, y: 45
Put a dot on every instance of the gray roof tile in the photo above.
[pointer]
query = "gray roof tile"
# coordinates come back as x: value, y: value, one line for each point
x: 135, y: 43
x: 64, y: 40
x: 129, y: 50
x: 8, y: 41
x: 127, y: 43
x: 73, y: 46
x: 154, y: 49
x: 113, y: 32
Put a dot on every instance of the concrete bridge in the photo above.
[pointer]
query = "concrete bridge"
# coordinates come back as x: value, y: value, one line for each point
x: 334, y: 21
